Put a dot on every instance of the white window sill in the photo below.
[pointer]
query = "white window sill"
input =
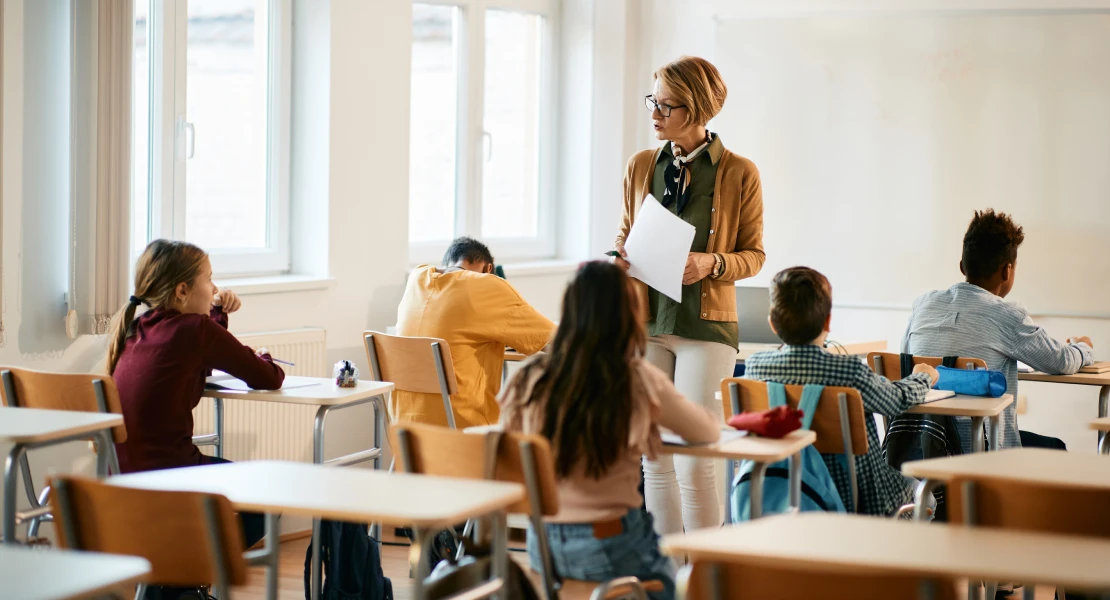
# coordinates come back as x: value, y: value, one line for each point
x: 276, y: 284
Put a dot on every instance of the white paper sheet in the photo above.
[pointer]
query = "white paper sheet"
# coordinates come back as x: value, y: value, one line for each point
x: 223, y: 381
x: 934, y: 395
x: 673, y: 439
x: 657, y: 248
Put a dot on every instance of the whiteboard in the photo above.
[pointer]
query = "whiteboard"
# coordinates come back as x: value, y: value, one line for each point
x: 878, y: 135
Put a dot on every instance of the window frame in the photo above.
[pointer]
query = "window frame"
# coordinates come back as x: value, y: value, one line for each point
x: 470, y: 133
x: 165, y: 195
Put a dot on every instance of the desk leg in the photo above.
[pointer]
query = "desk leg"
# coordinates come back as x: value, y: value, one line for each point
x: 418, y: 559
x: 923, y: 491
x: 218, y: 421
x: 978, y: 440
x: 317, y: 562
x: 996, y: 432
x: 500, y: 567
x: 756, y: 498
x: 1103, y: 410
x: 11, y: 465
x: 1029, y: 592
x: 1103, y: 443
x: 726, y: 501
x: 796, y: 481
x: 273, y: 553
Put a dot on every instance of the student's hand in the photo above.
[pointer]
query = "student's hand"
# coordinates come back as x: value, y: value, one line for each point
x: 228, y: 300
x: 620, y: 261
x: 928, y: 369
x: 1081, y: 339
x: 698, y: 266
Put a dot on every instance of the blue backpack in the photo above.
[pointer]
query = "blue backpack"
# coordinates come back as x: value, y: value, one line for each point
x: 819, y: 493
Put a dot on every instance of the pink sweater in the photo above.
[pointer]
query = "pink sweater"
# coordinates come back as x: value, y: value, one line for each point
x: 656, y: 403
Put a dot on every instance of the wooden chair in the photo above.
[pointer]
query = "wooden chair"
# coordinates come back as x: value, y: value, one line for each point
x: 82, y: 392
x: 703, y: 580
x: 413, y: 364
x: 523, y: 459
x: 839, y: 422
x: 190, y: 539
x: 1029, y: 506
x: 889, y: 365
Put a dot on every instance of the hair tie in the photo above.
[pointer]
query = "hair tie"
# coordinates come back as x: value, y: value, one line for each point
x: 136, y: 301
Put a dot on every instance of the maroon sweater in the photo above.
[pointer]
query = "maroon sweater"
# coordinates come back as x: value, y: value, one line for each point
x: 160, y: 376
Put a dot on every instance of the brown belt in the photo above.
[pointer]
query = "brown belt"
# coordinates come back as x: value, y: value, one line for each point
x: 608, y: 529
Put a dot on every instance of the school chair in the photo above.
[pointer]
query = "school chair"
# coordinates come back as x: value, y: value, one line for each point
x: 705, y: 580
x: 190, y: 539
x: 413, y: 364
x: 84, y: 392
x: 889, y: 365
x: 839, y: 422
x: 1028, y: 506
x: 520, y: 458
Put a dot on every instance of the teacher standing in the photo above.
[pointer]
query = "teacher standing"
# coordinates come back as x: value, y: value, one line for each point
x: 694, y: 341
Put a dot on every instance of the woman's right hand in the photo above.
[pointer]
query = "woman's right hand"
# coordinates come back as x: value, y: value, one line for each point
x: 620, y: 261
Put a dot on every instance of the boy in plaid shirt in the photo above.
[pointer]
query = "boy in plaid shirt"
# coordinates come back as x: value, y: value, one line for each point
x: 801, y: 306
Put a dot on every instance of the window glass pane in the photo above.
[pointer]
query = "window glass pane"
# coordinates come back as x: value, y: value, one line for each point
x: 433, y: 127
x: 226, y: 101
x: 140, y: 129
x: 511, y: 116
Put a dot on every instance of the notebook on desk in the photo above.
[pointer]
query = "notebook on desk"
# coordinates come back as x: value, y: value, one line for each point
x: 223, y: 381
x: 1096, y: 368
x: 727, y: 435
x: 934, y: 395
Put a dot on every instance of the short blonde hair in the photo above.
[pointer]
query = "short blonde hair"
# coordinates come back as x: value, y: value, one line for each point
x: 697, y: 84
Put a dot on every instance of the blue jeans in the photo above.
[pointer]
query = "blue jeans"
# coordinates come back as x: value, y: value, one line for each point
x: 577, y: 554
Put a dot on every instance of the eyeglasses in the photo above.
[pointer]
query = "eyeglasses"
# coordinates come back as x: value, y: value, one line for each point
x: 652, y: 106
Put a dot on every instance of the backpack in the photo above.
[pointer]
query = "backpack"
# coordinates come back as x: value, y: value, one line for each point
x: 819, y: 493
x: 351, y: 563
x: 917, y: 437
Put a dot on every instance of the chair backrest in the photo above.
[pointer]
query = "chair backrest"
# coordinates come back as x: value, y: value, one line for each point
x: 62, y: 391
x: 433, y: 450
x: 1029, y: 506
x: 409, y: 363
x: 708, y: 580
x: 189, y: 538
x: 889, y: 364
x: 826, y: 423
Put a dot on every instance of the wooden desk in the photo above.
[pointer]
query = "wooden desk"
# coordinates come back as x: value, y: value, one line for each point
x: 746, y: 350
x: 1039, y: 465
x: 868, y: 545
x: 29, y: 428
x: 1102, y: 426
x: 358, y: 495
x: 328, y: 397
x: 761, y: 451
x: 1102, y: 380
x: 39, y: 574
x: 514, y: 356
x: 976, y: 407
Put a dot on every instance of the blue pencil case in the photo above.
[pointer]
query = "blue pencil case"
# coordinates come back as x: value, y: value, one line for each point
x: 980, y: 382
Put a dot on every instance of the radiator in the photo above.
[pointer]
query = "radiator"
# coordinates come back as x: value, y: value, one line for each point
x: 265, y: 430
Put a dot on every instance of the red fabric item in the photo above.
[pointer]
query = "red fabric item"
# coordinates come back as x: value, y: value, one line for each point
x: 160, y: 376
x: 771, y: 423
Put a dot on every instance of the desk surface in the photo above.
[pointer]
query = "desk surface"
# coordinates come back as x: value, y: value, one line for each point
x: 746, y: 350
x: 1034, y: 465
x: 342, y: 494
x: 965, y: 406
x: 1102, y: 424
x: 324, y: 393
x: 1077, y: 379
x: 863, y: 544
x: 35, y: 574
x: 36, y: 425
x: 514, y: 356
x: 764, y: 450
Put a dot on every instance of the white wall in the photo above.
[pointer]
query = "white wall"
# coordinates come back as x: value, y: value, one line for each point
x: 671, y: 28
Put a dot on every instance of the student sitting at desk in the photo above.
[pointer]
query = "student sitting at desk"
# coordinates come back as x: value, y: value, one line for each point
x: 972, y: 319
x: 601, y: 405
x: 801, y: 307
x: 478, y: 314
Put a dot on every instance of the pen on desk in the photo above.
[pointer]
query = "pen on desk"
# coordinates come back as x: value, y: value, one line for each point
x: 282, y: 362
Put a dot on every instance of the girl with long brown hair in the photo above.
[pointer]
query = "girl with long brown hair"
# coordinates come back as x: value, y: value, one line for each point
x: 601, y: 405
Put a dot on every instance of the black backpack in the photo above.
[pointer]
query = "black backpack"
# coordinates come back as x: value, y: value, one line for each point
x: 351, y: 563
x: 917, y: 437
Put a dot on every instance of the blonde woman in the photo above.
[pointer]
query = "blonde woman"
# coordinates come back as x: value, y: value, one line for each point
x: 694, y: 341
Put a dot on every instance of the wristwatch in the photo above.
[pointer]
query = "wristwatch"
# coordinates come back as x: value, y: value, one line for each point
x: 718, y: 266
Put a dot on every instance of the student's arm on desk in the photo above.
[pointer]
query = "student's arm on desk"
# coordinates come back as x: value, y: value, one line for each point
x: 891, y: 398
x: 690, y: 421
x: 518, y: 325
x: 223, y: 351
x: 1032, y: 345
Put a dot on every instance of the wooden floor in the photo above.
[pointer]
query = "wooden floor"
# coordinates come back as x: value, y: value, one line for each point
x: 395, y: 565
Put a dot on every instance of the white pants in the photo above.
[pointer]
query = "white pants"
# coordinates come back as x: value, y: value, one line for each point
x: 683, y: 490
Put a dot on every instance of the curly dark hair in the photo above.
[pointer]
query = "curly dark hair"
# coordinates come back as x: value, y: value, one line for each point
x: 991, y: 243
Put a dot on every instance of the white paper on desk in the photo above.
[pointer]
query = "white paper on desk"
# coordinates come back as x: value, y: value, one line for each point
x: 673, y: 439
x: 934, y: 395
x: 657, y: 248
x: 223, y: 381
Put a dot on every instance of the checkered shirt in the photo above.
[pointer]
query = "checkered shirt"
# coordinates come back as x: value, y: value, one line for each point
x: 882, y: 490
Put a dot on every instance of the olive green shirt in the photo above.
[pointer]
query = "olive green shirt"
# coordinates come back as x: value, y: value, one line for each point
x: 683, y: 319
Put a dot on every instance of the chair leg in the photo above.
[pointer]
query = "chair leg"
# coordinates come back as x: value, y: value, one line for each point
x: 140, y: 591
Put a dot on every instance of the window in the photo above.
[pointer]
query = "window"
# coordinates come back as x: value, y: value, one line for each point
x: 211, y: 125
x: 481, y: 149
